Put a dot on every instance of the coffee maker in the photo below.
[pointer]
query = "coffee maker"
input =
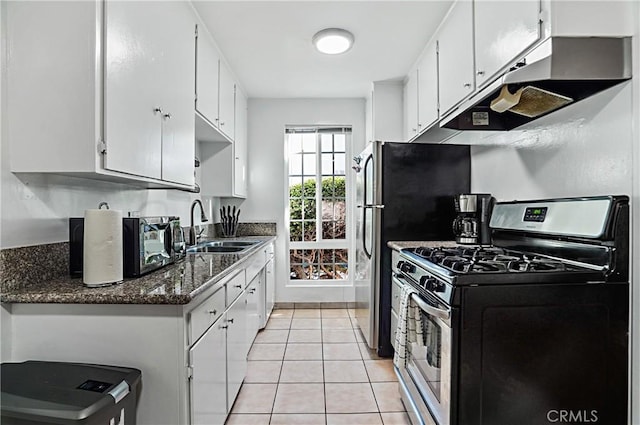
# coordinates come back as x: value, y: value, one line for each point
x: 471, y: 226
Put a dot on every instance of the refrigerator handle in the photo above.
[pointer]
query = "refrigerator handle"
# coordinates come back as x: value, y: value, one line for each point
x: 379, y: 207
x: 367, y: 163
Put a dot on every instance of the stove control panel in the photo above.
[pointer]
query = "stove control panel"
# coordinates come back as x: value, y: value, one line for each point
x: 535, y: 214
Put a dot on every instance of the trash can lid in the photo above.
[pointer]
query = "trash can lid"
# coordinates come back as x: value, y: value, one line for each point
x: 72, y: 391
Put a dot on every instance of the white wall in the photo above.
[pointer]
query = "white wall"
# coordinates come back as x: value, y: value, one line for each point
x: 35, y: 209
x: 266, y: 193
x: 584, y: 149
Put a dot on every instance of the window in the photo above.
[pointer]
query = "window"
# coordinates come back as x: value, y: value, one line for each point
x: 317, y: 203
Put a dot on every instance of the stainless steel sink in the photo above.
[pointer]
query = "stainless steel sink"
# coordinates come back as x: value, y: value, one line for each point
x: 219, y: 249
x: 221, y: 246
x: 228, y: 243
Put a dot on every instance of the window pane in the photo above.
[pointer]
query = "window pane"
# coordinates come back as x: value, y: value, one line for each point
x: 339, y: 141
x: 309, y: 164
x: 293, y: 182
x: 309, y: 188
x: 309, y: 208
x: 309, y: 142
x: 295, y: 209
x: 327, y: 229
x: 327, y: 142
x: 309, y: 231
x: 295, y: 229
x: 327, y: 164
x: 295, y: 165
x: 339, y: 164
x: 295, y: 144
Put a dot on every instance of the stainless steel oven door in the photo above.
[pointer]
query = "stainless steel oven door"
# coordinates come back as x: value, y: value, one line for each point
x: 429, y: 358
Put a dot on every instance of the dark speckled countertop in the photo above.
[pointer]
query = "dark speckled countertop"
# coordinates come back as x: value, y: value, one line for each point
x: 178, y: 283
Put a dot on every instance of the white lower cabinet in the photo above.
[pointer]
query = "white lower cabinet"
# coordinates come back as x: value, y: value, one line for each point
x: 208, y: 381
x: 193, y: 357
x: 254, y: 309
x: 237, y: 348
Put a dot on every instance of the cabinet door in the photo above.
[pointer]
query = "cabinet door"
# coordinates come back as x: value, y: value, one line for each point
x: 132, y: 84
x: 503, y: 30
x: 455, y: 56
x: 237, y: 349
x: 253, y: 309
x: 269, y: 288
x: 178, y: 70
x: 226, y: 112
x: 411, y: 105
x: 207, y: 77
x: 428, y: 87
x: 240, y: 147
x: 208, y: 383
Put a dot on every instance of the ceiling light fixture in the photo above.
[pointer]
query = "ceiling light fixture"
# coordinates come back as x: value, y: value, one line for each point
x: 333, y: 41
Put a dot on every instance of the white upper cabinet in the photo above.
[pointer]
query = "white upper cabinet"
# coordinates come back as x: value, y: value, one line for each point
x: 226, y: 113
x: 503, y: 30
x: 112, y: 89
x: 411, y: 105
x: 456, y: 65
x: 428, y: 87
x: 207, y: 72
x: 149, y: 89
x: 385, y: 111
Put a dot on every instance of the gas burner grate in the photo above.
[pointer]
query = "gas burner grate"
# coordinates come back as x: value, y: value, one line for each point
x: 475, y: 259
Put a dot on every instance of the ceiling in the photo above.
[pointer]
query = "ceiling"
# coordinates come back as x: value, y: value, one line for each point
x: 268, y: 46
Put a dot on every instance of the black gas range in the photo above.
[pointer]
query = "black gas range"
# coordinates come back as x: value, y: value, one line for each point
x: 529, y: 330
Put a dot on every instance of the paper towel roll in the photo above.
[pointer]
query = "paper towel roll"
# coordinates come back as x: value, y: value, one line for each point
x: 102, y: 252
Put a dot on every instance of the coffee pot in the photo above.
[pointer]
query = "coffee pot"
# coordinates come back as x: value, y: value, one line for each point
x: 471, y: 225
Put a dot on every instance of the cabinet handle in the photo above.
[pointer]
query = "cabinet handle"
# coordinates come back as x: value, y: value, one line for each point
x: 467, y: 85
x: 251, y: 291
x: 167, y: 116
x: 419, y: 125
x: 212, y: 311
x: 237, y: 286
x: 217, y: 119
x: 157, y: 110
x: 414, y: 129
x: 221, y: 122
x: 480, y: 72
x: 230, y: 320
x: 224, y: 326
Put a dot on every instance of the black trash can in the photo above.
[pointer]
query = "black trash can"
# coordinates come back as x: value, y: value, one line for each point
x: 38, y: 392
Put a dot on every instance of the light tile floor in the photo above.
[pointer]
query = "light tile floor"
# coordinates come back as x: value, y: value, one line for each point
x: 311, y: 366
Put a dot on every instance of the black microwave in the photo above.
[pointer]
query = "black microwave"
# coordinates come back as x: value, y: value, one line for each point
x: 148, y: 243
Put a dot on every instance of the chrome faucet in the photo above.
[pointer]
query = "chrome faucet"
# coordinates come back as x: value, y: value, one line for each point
x: 203, y: 218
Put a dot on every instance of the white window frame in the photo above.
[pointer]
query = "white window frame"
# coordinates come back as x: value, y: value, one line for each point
x: 347, y: 243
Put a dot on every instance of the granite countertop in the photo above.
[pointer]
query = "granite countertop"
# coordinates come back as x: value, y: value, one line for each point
x: 398, y: 245
x: 177, y: 283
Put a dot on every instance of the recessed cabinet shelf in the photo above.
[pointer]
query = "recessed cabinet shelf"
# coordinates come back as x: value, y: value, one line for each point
x: 207, y: 132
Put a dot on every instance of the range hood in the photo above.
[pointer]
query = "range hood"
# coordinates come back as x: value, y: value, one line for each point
x: 558, y: 73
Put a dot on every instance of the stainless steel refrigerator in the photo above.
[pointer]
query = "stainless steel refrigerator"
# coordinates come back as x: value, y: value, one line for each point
x: 404, y: 191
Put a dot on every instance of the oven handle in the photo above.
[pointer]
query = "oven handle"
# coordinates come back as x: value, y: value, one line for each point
x: 428, y: 308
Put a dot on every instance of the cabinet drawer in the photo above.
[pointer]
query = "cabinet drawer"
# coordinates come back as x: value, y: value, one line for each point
x: 394, y: 328
x: 203, y: 316
x: 235, y: 286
